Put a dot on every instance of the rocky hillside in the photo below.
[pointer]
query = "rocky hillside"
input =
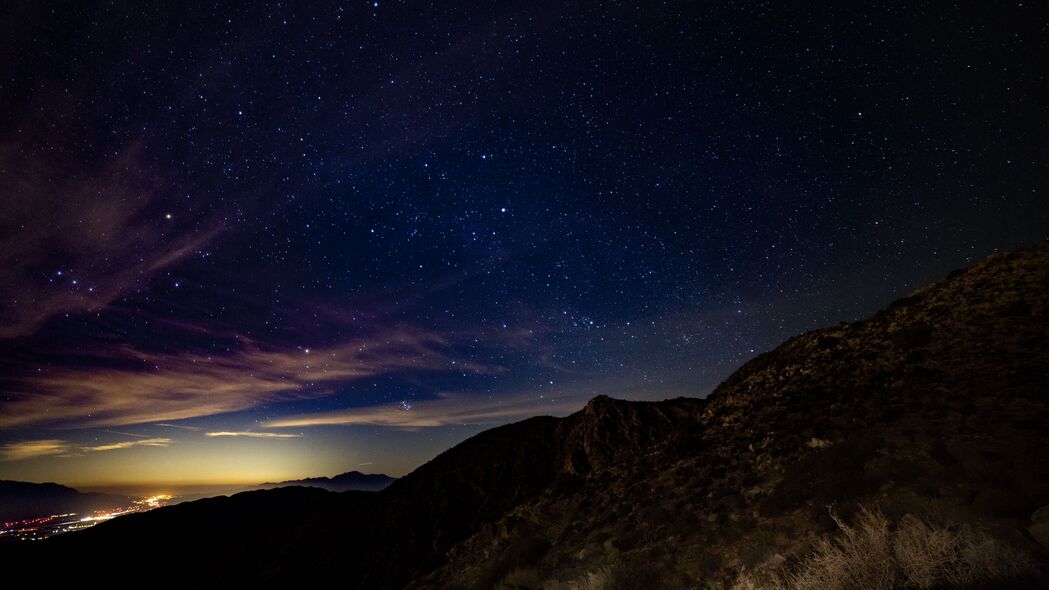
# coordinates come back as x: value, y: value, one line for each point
x: 935, y: 407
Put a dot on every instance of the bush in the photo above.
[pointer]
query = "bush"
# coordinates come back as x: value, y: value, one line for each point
x: 644, y: 572
x: 519, y: 554
x: 871, y: 555
x: 520, y: 579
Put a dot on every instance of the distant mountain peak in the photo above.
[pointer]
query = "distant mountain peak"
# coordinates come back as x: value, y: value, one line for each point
x: 599, y: 401
x: 343, y: 482
x: 20, y: 499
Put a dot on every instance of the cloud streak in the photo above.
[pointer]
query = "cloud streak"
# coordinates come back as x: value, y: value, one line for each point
x: 177, y: 426
x: 146, y: 442
x: 171, y: 387
x: 107, y: 233
x: 275, y: 435
x: 445, y: 411
x: 29, y: 449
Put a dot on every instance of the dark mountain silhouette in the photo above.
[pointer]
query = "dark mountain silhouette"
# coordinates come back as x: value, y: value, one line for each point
x: 344, y: 482
x: 20, y: 500
x: 936, y: 406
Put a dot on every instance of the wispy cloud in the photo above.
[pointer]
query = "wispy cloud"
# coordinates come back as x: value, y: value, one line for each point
x: 178, y: 426
x: 445, y: 411
x: 131, y: 434
x: 73, y: 242
x: 253, y: 434
x: 147, y: 442
x: 29, y: 449
x: 179, y: 386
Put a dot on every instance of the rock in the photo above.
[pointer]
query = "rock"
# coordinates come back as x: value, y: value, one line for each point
x: 1039, y: 528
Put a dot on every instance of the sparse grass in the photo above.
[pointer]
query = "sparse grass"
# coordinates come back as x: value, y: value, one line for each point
x: 870, y: 555
x: 513, y: 566
x: 525, y: 578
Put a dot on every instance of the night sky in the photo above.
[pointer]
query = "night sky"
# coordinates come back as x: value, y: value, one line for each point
x: 242, y: 244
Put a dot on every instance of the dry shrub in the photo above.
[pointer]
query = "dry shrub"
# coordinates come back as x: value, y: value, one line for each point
x: 520, y: 579
x: 924, y: 553
x: 870, y: 555
x: 862, y: 552
x: 984, y: 558
x: 748, y: 581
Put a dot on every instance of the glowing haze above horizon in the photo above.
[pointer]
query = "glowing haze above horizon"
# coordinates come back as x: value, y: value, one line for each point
x: 245, y: 245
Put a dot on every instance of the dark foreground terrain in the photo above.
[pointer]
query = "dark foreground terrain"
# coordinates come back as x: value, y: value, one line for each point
x: 935, y: 410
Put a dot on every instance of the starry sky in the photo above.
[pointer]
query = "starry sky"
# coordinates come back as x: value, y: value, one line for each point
x: 249, y: 243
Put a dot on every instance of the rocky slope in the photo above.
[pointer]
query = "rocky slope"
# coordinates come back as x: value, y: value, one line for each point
x: 936, y: 406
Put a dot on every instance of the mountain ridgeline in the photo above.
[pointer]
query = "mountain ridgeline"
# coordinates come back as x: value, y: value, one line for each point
x: 936, y: 407
x: 19, y: 499
x: 344, y: 482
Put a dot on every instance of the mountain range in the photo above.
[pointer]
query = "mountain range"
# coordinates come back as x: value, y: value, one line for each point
x: 934, y: 408
x: 344, y: 482
x: 19, y: 499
